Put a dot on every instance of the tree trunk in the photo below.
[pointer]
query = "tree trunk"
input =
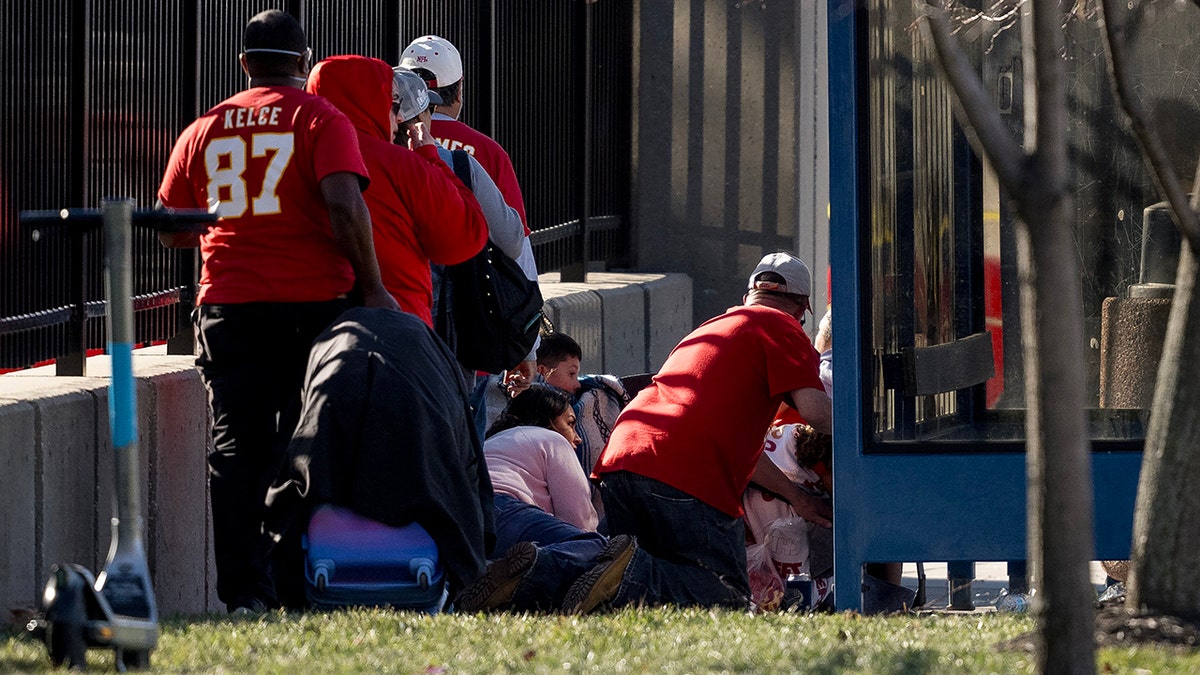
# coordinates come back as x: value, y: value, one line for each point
x: 1165, y: 570
x: 1058, y: 450
x: 1058, y: 460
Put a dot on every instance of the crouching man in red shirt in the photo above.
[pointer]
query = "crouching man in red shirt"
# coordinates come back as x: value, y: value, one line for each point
x: 684, y: 450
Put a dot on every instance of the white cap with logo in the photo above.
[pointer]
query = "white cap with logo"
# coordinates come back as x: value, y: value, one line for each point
x: 796, y: 278
x: 436, y: 55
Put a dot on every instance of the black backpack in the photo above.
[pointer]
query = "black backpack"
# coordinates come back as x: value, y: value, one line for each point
x: 494, y: 312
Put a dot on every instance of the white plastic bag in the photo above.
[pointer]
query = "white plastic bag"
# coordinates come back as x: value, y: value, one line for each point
x: 766, y: 586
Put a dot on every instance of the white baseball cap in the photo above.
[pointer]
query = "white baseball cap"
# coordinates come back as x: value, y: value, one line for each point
x: 797, y: 280
x: 436, y: 55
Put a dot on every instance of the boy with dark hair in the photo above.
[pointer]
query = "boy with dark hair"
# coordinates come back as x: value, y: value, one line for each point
x: 558, y: 360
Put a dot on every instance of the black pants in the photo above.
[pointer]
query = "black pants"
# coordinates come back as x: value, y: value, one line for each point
x: 252, y: 358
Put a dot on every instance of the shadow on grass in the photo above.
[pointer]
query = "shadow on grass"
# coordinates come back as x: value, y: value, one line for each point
x: 841, y: 659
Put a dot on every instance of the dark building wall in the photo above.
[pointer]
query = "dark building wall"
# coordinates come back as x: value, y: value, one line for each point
x: 730, y: 146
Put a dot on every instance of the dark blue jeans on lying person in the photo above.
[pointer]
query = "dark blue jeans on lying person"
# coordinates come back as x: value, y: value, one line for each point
x: 689, y: 553
x: 565, y: 552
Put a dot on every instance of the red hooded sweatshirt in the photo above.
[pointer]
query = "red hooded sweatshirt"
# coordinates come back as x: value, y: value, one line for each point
x: 420, y: 211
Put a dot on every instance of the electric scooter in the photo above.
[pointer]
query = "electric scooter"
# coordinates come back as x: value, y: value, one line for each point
x: 115, y: 609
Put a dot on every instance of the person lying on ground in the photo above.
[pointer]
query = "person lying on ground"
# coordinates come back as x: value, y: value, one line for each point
x: 545, y: 524
x: 596, y: 399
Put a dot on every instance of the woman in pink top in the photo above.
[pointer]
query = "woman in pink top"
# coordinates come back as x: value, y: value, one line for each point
x: 530, y: 453
x: 545, y: 523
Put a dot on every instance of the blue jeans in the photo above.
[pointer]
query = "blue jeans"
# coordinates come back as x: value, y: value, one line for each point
x: 564, y: 553
x: 689, y: 553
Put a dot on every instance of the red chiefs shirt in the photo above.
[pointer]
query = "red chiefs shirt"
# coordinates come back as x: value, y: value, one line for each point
x: 420, y: 212
x: 454, y: 135
x: 262, y: 154
x: 699, y: 425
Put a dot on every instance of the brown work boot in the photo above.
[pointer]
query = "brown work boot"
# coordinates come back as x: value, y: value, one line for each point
x: 600, y: 584
x: 496, y: 587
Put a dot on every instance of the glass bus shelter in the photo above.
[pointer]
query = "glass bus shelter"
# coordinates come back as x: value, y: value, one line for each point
x: 928, y: 401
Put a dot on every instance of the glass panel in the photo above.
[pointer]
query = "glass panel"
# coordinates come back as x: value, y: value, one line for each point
x: 941, y: 250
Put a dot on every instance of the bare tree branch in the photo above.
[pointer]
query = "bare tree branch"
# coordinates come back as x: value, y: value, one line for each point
x: 1161, y: 169
x: 975, y: 103
x: 1050, y: 151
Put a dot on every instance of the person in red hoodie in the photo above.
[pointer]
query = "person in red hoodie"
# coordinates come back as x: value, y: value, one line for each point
x: 420, y: 211
x: 438, y: 62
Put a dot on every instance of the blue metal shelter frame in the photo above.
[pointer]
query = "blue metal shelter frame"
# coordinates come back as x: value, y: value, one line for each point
x: 950, y: 499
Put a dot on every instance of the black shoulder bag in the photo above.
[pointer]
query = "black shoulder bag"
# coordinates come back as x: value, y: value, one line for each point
x: 494, y: 311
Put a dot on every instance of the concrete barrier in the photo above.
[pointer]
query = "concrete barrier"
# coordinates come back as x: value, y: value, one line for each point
x: 642, y: 317
x: 174, y: 437
x: 56, y: 458
x: 18, y: 502
x: 574, y: 309
x: 58, y: 486
x: 62, y: 474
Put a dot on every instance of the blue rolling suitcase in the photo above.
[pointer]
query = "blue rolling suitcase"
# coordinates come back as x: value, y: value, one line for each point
x: 350, y: 560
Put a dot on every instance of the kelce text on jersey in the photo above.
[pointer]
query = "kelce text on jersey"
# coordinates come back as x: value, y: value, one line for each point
x: 237, y: 118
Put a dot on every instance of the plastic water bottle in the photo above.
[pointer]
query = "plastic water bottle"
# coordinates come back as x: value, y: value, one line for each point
x: 1014, y: 602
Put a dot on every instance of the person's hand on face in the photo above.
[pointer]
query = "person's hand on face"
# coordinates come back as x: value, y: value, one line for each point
x: 418, y: 135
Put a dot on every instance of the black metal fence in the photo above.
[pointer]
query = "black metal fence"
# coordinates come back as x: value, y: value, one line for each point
x: 97, y: 90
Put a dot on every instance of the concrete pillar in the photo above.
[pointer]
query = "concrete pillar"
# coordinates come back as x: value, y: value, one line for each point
x: 1131, y: 342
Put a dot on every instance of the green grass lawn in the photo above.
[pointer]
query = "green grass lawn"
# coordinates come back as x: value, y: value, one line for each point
x: 636, y: 641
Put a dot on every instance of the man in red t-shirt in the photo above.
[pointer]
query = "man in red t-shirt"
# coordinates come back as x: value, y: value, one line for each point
x: 684, y: 450
x: 438, y: 62
x: 284, y: 171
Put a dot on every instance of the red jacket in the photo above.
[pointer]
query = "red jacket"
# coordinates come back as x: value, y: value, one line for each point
x: 420, y: 211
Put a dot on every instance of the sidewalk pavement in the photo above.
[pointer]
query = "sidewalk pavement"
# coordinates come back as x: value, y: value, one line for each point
x: 991, y: 579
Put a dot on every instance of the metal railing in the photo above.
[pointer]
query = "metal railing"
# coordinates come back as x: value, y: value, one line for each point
x: 99, y: 89
x: 76, y: 227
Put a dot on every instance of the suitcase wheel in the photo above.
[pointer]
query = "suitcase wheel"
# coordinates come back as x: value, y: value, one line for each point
x: 422, y: 569
x: 321, y: 577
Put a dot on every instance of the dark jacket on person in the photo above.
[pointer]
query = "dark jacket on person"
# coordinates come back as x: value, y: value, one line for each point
x: 386, y: 431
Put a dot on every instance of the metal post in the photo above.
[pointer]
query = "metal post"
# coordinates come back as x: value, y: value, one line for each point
x: 74, y: 362
x: 125, y: 581
x: 1018, y: 576
x: 577, y: 269
x: 122, y: 398
x: 489, y: 69
x: 960, y: 574
x: 184, y: 339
